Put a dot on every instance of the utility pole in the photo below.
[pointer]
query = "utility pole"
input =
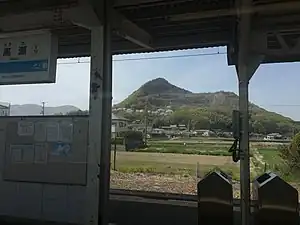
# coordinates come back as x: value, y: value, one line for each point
x: 43, y: 108
x: 146, y: 121
x: 9, y: 106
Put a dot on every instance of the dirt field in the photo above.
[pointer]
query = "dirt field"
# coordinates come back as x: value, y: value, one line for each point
x: 164, y: 183
x: 158, y: 183
x: 165, y: 172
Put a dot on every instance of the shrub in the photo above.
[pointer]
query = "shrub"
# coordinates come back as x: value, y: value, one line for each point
x: 136, y: 135
x: 117, y: 141
x: 291, y: 153
x: 133, y: 140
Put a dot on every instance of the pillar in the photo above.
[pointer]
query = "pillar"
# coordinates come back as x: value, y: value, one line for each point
x: 244, y: 144
x: 248, y: 64
x: 98, y: 162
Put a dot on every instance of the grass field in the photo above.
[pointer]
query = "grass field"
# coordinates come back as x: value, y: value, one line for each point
x: 270, y: 155
x: 182, y: 157
x: 171, y: 164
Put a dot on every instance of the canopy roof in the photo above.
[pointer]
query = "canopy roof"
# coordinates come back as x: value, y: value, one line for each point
x: 156, y: 25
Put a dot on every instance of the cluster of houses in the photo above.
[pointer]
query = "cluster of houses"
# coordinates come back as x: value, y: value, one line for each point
x: 121, y: 124
x: 157, y: 112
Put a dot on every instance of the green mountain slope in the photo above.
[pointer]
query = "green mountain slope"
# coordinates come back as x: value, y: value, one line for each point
x: 201, y: 110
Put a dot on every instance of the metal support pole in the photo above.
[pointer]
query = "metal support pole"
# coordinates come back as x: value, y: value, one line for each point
x: 244, y: 145
x: 98, y: 175
x: 248, y: 64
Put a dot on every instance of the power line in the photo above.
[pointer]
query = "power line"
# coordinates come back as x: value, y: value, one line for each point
x: 295, y: 105
x: 152, y: 58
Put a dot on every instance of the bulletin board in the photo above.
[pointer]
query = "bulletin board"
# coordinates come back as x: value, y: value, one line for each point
x: 46, y: 149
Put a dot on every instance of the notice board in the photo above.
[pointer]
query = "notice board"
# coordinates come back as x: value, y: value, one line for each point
x: 45, y: 149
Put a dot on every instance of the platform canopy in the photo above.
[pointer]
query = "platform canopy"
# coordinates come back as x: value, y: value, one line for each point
x: 156, y: 25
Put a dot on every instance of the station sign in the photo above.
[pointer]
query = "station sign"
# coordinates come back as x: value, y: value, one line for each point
x: 28, y: 58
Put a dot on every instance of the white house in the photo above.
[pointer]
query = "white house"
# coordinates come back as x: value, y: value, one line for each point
x: 4, y: 109
x: 273, y: 136
x: 119, y: 124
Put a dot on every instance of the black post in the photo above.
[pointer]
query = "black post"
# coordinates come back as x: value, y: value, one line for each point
x: 115, y: 152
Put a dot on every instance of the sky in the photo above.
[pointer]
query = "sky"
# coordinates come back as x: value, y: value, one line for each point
x: 273, y: 87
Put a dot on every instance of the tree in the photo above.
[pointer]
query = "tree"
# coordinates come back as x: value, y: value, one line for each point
x: 78, y: 113
x: 291, y: 153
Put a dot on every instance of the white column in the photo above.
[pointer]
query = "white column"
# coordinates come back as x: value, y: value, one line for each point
x: 99, y: 152
x: 95, y: 125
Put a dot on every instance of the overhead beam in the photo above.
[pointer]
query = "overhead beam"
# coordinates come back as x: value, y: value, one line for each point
x: 130, y: 31
x: 124, y: 27
x: 121, y: 3
x: 82, y: 15
x: 268, y: 9
x: 259, y: 44
x: 141, y: 3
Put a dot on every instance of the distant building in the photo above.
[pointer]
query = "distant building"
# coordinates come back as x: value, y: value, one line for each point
x: 119, y: 124
x: 208, y: 133
x: 273, y: 136
x: 157, y: 131
x: 129, y: 111
x: 137, y: 126
x: 4, y: 109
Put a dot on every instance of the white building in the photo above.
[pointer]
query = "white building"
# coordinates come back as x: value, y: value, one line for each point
x: 273, y: 136
x: 4, y: 109
x: 119, y: 124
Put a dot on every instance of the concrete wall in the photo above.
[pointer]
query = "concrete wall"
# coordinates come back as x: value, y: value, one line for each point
x: 48, y: 201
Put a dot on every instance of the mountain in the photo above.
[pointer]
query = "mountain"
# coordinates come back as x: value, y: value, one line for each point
x: 203, y: 110
x: 160, y: 93
x: 33, y: 110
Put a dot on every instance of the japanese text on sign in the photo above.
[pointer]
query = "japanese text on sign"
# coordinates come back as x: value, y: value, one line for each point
x: 28, y: 58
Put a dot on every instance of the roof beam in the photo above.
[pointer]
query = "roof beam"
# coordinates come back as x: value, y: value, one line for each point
x: 124, y: 27
x: 268, y: 9
x: 82, y: 15
x: 122, y: 3
x: 130, y: 31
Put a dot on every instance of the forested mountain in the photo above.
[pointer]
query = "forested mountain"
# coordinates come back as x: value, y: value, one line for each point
x: 200, y: 110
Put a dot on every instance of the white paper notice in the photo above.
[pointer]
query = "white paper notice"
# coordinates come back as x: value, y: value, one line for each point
x: 66, y: 132
x: 28, y: 154
x: 22, y: 153
x: 40, y: 132
x: 16, y: 153
x: 40, y: 153
x: 52, y: 132
x: 25, y: 128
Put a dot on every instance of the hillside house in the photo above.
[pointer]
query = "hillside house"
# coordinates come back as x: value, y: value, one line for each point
x: 208, y: 133
x: 273, y: 136
x: 157, y: 131
x: 119, y: 124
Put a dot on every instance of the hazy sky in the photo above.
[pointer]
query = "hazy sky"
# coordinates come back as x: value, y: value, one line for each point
x: 274, y: 86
